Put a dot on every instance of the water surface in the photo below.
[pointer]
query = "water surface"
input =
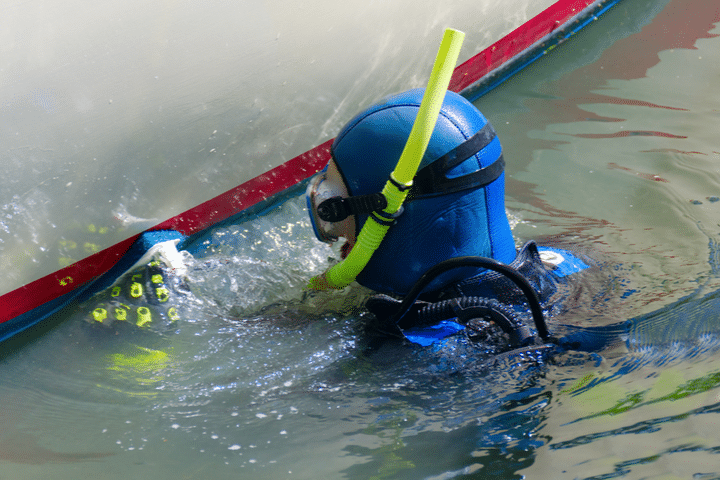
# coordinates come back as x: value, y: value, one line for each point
x: 611, y: 150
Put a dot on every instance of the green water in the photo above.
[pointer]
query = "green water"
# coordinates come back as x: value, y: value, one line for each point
x: 611, y: 150
x: 619, y: 155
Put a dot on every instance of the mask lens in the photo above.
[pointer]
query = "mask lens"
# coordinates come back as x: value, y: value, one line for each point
x: 318, y: 190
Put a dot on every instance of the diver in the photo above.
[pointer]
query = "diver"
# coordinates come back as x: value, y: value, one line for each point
x: 449, y: 250
x: 448, y: 263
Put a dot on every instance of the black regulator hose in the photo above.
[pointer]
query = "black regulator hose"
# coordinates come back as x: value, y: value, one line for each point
x: 465, y: 308
x: 480, y: 262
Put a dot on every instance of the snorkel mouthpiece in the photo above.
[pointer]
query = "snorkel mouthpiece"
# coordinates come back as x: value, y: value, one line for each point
x: 397, y: 187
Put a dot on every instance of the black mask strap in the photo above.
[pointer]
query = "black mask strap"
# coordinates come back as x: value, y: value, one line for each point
x: 337, y: 209
x: 432, y: 179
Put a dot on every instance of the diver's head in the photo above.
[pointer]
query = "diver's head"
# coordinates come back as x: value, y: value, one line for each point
x: 455, y: 208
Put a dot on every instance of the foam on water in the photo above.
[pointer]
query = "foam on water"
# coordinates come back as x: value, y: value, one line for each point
x: 256, y: 370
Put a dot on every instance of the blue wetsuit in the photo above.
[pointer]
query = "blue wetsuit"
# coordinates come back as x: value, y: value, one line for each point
x: 490, y: 295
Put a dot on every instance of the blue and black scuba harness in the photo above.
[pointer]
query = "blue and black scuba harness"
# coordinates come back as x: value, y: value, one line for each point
x: 457, y: 310
x: 425, y: 322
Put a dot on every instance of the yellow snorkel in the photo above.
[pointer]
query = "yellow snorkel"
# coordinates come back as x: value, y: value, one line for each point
x: 398, y: 186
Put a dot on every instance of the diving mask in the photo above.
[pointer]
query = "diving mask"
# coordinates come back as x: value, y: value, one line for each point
x: 328, y: 185
x: 333, y: 211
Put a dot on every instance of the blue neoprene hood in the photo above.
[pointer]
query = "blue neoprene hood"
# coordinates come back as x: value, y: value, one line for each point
x: 431, y: 228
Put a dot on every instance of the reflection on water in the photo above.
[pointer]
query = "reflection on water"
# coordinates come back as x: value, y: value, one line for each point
x: 622, y: 159
x: 259, y: 379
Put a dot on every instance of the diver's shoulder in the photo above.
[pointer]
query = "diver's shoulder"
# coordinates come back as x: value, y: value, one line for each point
x: 544, y: 266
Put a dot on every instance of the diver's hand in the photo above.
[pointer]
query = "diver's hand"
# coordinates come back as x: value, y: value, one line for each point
x: 319, y: 283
